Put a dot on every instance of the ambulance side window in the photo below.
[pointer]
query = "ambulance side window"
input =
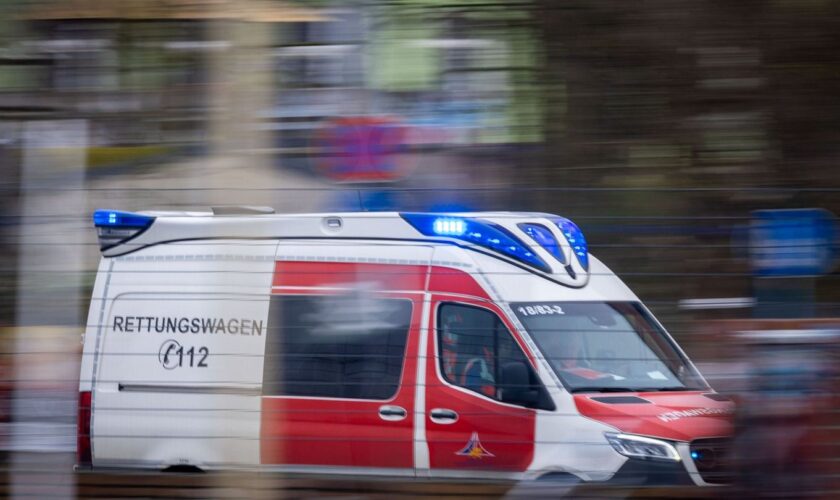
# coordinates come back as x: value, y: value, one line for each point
x: 339, y: 346
x: 477, y: 352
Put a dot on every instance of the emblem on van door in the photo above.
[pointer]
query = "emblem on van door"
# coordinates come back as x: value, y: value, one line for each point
x: 173, y: 355
x: 473, y: 449
x: 165, y: 354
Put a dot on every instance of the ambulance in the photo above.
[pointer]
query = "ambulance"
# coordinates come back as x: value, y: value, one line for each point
x: 428, y: 345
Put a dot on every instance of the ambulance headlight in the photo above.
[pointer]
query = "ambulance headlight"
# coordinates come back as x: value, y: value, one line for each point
x: 642, y: 447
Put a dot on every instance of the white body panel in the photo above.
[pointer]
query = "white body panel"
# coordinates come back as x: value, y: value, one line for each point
x: 211, y: 296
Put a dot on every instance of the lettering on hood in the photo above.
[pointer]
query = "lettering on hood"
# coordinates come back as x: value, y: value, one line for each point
x: 168, y: 324
x: 694, y: 412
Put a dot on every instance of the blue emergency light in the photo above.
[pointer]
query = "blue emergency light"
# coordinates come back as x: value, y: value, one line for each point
x: 115, y: 218
x: 543, y: 236
x: 115, y: 227
x: 576, y: 239
x: 477, y: 232
x: 449, y: 227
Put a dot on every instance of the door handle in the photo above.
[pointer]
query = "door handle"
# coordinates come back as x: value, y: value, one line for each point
x: 392, y: 413
x: 443, y: 416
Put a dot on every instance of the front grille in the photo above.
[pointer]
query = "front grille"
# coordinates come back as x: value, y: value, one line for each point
x: 713, y: 458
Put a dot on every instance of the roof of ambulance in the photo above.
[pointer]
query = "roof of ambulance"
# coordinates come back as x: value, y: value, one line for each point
x: 572, y: 280
x: 395, y: 215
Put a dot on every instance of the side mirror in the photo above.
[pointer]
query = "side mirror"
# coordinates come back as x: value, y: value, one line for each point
x: 516, y: 385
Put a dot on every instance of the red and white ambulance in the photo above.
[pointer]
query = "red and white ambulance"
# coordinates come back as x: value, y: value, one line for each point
x: 473, y: 345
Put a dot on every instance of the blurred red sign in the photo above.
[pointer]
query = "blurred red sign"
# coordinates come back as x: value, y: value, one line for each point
x: 363, y: 149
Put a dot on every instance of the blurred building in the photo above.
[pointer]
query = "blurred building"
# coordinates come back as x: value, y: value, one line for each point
x: 658, y: 126
x: 143, y: 72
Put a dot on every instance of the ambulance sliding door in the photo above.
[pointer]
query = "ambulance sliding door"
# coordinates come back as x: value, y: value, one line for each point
x: 178, y: 367
x: 340, y: 369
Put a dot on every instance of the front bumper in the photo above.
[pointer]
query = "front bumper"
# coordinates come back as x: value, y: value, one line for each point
x: 640, y: 472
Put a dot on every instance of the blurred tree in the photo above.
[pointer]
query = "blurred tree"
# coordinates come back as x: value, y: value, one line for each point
x: 644, y: 97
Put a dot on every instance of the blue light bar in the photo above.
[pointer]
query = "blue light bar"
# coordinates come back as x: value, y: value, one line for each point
x: 543, y: 236
x: 115, y: 218
x: 446, y: 226
x: 478, y: 232
x: 115, y: 227
x: 576, y: 239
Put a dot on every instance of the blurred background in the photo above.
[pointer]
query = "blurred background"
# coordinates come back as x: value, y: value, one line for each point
x: 696, y: 143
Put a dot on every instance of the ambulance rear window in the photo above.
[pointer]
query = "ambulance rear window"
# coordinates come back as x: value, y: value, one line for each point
x: 335, y: 346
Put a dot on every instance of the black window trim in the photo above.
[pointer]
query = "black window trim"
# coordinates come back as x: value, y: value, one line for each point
x: 445, y: 381
x: 400, y: 384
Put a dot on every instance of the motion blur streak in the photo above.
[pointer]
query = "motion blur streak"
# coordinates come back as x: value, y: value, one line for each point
x: 695, y: 142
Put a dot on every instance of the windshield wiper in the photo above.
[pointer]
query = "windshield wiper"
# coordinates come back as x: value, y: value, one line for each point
x: 603, y: 389
x: 674, y: 388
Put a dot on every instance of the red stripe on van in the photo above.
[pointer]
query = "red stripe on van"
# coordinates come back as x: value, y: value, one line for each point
x: 383, y: 277
x: 455, y: 281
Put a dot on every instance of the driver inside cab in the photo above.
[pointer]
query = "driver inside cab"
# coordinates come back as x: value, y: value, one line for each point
x: 575, y: 362
x: 466, y: 358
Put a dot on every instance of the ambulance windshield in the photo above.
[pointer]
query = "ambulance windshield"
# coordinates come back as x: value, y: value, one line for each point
x: 607, y: 347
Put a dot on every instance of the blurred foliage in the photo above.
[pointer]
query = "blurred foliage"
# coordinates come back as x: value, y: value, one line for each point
x: 104, y: 156
x: 684, y: 94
